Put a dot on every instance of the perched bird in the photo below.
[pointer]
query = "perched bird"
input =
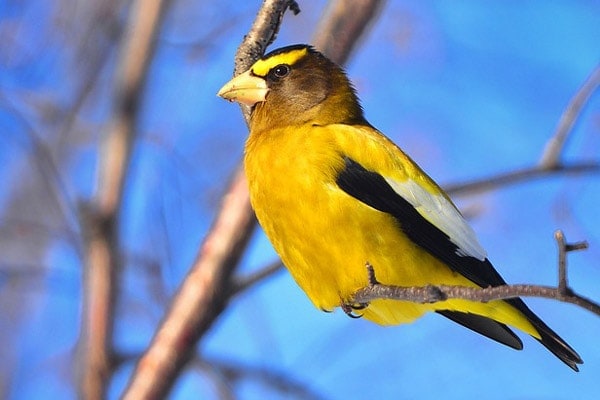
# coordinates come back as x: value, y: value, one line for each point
x: 332, y: 194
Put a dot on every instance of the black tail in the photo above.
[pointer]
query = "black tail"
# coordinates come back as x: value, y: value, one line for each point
x: 549, y: 338
x: 502, y: 334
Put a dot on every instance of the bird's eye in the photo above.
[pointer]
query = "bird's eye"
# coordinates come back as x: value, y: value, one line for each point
x: 280, y: 71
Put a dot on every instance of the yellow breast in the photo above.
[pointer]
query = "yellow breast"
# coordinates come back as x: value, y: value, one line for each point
x: 325, y: 237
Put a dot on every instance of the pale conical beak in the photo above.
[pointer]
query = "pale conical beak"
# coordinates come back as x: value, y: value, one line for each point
x: 245, y: 88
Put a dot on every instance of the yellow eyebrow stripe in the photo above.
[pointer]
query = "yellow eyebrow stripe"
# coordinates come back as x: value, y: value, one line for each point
x: 262, y: 67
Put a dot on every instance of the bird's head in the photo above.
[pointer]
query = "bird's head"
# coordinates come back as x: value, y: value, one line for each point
x: 295, y: 85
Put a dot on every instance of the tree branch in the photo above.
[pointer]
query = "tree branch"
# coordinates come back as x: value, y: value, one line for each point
x: 549, y: 163
x: 204, y: 293
x: 240, y: 284
x: 553, y: 149
x: 100, y: 216
x: 232, y: 373
x: 520, y: 175
x: 262, y: 33
x: 343, y: 25
x: 436, y: 293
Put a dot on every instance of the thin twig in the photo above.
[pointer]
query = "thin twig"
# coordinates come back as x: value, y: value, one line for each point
x: 100, y: 217
x: 435, y: 293
x: 562, y: 262
x: 520, y: 175
x: 51, y: 172
x: 240, y: 284
x: 234, y: 372
x: 553, y: 149
x: 563, y: 249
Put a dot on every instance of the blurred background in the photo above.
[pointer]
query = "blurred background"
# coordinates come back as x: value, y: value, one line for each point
x: 469, y: 89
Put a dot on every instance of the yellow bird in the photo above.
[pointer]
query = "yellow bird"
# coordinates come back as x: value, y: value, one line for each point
x: 332, y: 194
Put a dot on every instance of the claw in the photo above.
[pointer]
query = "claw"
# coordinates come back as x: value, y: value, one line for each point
x: 350, y: 308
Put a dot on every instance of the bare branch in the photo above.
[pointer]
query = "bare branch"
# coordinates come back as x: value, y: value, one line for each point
x: 436, y: 293
x: 553, y: 149
x: 100, y: 217
x: 520, y: 175
x: 343, y: 25
x: 262, y: 33
x: 241, y: 284
x: 563, y: 249
x: 233, y: 372
x: 204, y: 293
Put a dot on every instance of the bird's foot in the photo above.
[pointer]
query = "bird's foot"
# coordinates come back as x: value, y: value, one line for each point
x: 350, y: 308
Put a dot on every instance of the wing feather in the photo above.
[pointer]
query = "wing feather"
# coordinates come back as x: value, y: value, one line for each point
x: 420, y: 217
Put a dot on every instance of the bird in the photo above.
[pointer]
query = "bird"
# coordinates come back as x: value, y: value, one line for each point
x: 333, y: 194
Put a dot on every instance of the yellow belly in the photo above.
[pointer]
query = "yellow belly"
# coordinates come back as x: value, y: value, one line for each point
x: 325, y: 237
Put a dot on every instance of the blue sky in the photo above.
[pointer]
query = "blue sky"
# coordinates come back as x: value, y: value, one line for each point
x: 468, y: 88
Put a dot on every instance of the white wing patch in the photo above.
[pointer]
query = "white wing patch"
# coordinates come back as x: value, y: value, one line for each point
x: 441, y: 213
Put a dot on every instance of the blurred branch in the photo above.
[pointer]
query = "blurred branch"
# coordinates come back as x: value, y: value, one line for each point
x: 200, y: 299
x: 240, y: 284
x: 93, y: 51
x: 343, y: 25
x: 549, y: 163
x: 53, y: 179
x: 520, y: 175
x: 436, y: 293
x: 232, y: 372
x: 100, y: 216
x: 203, y: 294
x: 553, y: 149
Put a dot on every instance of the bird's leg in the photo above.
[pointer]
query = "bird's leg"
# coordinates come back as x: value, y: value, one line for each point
x: 349, y: 307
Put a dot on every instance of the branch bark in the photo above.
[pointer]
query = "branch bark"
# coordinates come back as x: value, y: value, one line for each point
x: 436, y: 293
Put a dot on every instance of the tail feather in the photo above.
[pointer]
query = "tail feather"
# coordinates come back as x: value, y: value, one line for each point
x: 485, y: 326
x: 549, y: 338
x: 502, y: 334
